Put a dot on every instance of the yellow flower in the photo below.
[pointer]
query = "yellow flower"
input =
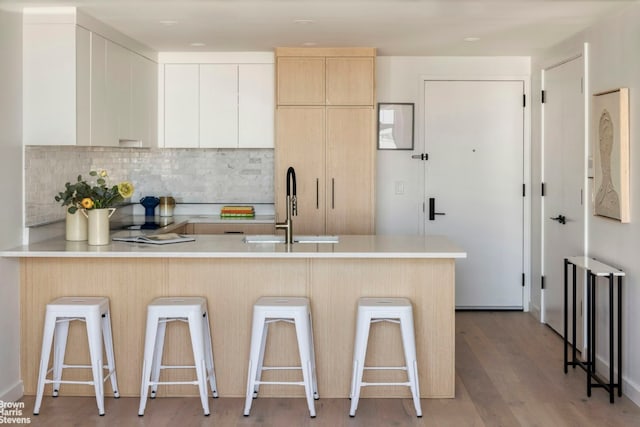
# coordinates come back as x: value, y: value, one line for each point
x: 87, y: 203
x: 103, y: 173
x: 125, y: 189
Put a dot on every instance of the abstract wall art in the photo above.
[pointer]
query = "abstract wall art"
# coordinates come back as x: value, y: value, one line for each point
x: 610, y: 133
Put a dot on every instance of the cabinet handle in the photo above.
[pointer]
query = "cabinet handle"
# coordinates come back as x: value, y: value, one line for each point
x: 333, y: 193
x: 317, y: 193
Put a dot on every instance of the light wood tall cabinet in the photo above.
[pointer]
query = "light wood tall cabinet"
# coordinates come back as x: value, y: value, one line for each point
x: 325, y: 121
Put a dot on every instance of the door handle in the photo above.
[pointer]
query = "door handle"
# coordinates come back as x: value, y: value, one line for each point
x: 432, y: 209
x: 421, y: 156
x: 333, y: 193
x: 317, y: 193
x: 560, y: 218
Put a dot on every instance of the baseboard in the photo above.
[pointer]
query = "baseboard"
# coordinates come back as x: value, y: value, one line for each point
x: 629, y: 389
x: 534, y: 310
x: 13, y: 394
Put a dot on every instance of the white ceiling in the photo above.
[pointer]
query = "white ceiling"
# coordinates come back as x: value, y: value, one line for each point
x: 395, y: 27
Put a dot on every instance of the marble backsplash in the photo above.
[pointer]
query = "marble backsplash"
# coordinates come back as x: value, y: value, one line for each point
x: 190, y: 175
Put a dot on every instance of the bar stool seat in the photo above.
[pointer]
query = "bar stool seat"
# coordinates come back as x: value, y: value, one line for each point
x: 394, y: 310
x: 294, y: 310
x: 191, y: 310
x: 94, y: 311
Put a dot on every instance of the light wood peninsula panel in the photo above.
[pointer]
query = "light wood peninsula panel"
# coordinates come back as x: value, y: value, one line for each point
x: 231, y: 286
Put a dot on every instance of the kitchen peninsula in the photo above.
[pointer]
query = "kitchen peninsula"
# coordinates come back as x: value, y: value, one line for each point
x: 232, y: 274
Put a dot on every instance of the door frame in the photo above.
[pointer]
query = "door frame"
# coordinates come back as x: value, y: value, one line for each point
x: 526, y: 160
x: 558, y: 61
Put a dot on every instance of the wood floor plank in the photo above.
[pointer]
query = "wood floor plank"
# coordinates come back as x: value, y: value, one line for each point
x: 508, y: 373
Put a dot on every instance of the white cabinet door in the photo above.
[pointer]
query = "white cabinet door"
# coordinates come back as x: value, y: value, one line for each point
x: 181, y: 110
x: 118, y: 74
x: 256, y: 105
x: 49, y: 58
x: 83, y: 86
x: 99, y: 116
x: 219, y: 105
x: 144, y: 87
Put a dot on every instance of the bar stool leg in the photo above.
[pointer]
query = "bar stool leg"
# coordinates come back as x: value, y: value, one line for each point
x: 147, y: 363
x: 94, y: 332
x: 316, y: 395
x: 360, y: 352
x: 409, y: 345
x: 303, y: 333
x: 208, y: 347
x: 257, y: 330
x: 197, y: 343
x: 263, y: 346
x: 108, y: 343
x: 47, y: 341
x: 59, y: 347
x: 156, y: 365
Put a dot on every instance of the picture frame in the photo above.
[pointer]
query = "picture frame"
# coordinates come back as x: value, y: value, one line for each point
x: 610, y: 133
x: 395, y: 126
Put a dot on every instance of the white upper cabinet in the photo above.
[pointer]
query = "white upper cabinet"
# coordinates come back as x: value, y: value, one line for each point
x: 256, y: 105
x: 181, y: 109
x: 55, y: 97
x: 82, y: 89
x: 144, y: 100
x: 218, y: 105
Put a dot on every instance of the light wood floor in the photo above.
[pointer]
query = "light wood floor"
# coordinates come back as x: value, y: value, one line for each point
x: 509, y: 373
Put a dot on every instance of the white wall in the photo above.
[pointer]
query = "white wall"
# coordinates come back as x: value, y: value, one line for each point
x: 613, y: 61
x: 11, y: 208
x: 400, y: 79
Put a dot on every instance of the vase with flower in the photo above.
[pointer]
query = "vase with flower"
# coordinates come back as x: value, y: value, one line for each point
x: 98, y: 205
x: 75, y: 222
x: 95, y: 201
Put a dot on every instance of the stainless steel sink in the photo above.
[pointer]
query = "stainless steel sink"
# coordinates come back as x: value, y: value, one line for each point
x: 272, y: 238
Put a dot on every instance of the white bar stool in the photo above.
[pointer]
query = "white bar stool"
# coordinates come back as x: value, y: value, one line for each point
x: 282, y: 309
x: 191, y: 310
x: 395, y: 310
x: 94, y: 311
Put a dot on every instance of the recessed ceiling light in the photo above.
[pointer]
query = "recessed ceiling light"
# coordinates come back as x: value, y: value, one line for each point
x: 309, y: 44
x: 168, y: 22
x: 303, y: 21
x: 197, y: 44
x: 471, y: 39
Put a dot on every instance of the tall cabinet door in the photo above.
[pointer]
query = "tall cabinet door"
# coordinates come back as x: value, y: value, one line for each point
x: 350, y: 81
x: 300, y: 135
x: 350, y: 170
x: 300, y: 81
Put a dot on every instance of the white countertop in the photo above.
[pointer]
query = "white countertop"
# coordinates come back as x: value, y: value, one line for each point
x: 233, y: 246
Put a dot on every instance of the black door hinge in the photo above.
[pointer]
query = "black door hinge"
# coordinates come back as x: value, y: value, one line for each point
x: 524, y: 100
x: 543, y: 97
x: 523, y: 280
x: 541, y: 282
x: 524, y: 193
x: 542, y: 190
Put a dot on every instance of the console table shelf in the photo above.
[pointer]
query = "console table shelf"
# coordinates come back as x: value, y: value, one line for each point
x: 594, y: 269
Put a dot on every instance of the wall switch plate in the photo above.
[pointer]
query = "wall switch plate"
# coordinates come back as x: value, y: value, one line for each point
x: 399, y: 187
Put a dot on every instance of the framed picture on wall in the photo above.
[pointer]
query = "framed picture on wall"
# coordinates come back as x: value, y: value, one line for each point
x: 395, y: 126
x: 610, y: 130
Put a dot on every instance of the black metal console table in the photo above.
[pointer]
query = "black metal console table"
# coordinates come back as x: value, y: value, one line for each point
x: 594, y: 270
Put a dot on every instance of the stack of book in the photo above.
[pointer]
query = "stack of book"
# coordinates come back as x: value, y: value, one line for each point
x: 237, y: 212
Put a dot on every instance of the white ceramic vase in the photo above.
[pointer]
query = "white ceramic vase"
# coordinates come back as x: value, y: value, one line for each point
x: 98, y: 229
x: 76, y: 227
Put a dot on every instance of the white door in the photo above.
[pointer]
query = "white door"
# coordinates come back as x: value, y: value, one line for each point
x: 474, y: 137
x: 563, y: 177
